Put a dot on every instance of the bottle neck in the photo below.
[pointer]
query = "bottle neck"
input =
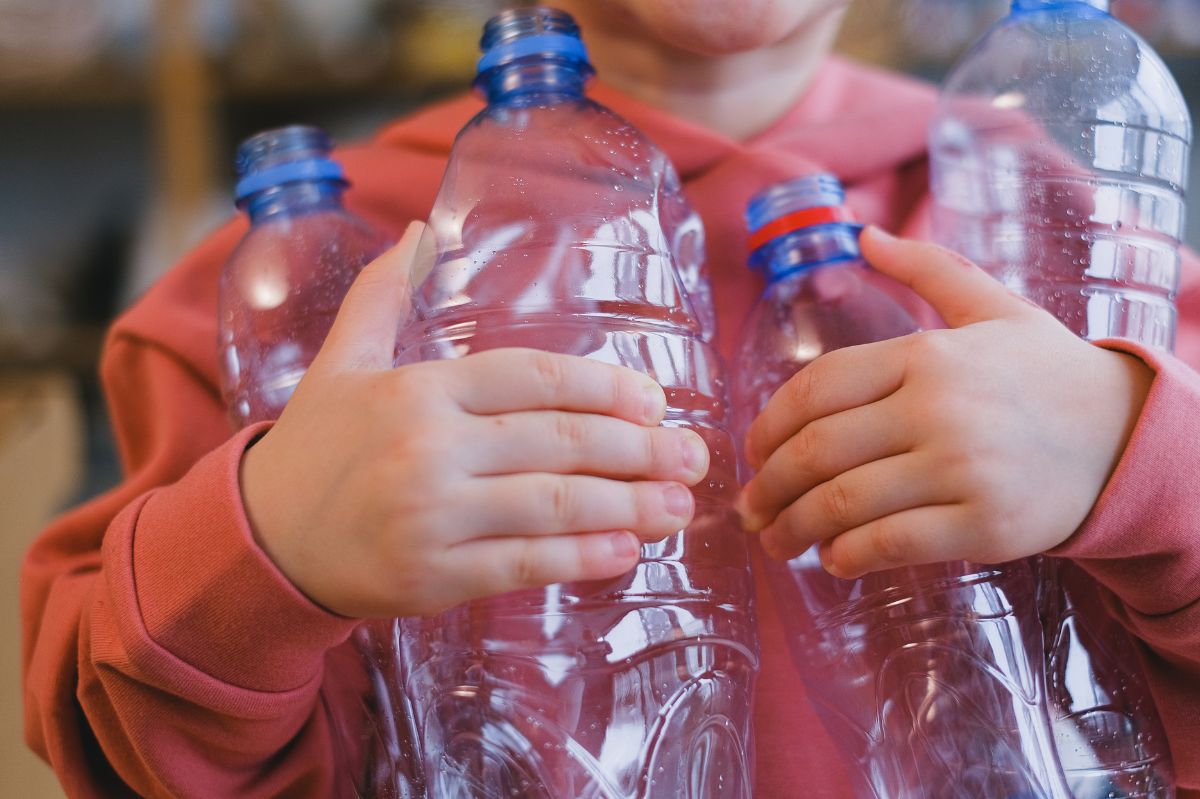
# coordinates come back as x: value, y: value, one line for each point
x: 294, y: 199
x: 532, y: 56
x: 534, y: 82
x: 798, y: 252
x: 1053, y: 5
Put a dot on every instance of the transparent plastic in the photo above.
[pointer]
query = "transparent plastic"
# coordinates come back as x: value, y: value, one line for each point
x: 928, y: 679
x: 279, y: 294
x: 560, y: 227
x: 282, y: 286
x: 1060, y: 154
x: 1060, y: 150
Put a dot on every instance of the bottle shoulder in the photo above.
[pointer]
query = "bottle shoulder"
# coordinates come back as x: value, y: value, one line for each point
x: 302, y: 228
x: 1042, y: 66
x: 311, y: 243
x: 590, y: 140
x: 813, y: 312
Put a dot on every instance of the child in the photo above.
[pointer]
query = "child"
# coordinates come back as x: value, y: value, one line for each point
x: 176, y: 628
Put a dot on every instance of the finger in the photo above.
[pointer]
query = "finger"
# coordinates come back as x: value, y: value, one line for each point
x: 926, y: 534
x: 509, y: 380
x: 551, y: 504
x: 837, y: 381
x: 958, y: 290
x: 364, y: 334
x: 500, y: 565
x: 855, y: 498
x: 584, y: 443
x: 820, y: 451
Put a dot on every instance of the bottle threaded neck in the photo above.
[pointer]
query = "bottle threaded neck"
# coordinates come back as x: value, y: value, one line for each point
x: 532, y: 50
x: 523, y: 23
x: 801, y: 224
x: 277, y: 158
x: 811, y: 191
x: 272, y: 147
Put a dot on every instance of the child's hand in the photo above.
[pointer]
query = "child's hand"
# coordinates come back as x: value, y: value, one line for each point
x: 394, y: 492
x: 986, y: 442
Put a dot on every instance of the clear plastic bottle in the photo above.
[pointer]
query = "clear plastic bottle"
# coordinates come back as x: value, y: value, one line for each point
x: 279, y: 294
x: 1060, y: 149
x: 560, y: 227
x: 283, y: 285
x: 927, y: 678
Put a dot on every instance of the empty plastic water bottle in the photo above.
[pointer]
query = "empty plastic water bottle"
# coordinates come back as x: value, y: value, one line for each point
x: 1060, y: 150
x: 279, y: 294
x: 283, y: 285
x: 927, y: 678
x: 560, y: 227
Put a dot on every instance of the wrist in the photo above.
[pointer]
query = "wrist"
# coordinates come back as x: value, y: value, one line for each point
x: 1135, y: 378
x: 260, y: 493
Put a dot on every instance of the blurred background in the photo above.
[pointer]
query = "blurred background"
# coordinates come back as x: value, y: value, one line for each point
x: 118, y: 119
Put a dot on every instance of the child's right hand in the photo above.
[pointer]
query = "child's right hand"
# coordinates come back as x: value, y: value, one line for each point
x: 397, y: 492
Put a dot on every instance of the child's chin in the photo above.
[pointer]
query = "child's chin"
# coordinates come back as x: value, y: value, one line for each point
x: 712, y: 28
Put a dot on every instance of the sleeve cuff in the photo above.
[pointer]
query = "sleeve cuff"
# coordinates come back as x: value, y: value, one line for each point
x: 210, y: 596
x: 1141, y: 538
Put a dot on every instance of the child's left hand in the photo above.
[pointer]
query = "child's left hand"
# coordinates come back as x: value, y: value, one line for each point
x: 988, y: 442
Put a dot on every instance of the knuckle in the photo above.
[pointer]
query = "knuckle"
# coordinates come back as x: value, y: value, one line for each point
x: 550, y: 372
x: 652, y: 447
x: 837, y: 503
x: 891, y: 542
x: 974, y: 469
x: 624, y: 389
x: 995, y: 517
x: 526, y: 565
x: 807, y: 447
x: 931, y: 348
x: 570, y: 432
x: 561, y: 500
x: 802, y: 387
x: 427, y: 449
x: 416, y: 505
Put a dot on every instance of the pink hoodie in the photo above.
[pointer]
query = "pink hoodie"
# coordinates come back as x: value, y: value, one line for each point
x: 166, y: 656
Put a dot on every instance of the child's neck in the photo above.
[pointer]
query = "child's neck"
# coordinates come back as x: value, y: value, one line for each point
x: 738, y: 95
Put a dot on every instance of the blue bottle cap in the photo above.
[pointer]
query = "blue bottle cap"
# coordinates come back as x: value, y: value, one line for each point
x: 807, y: 202
x: 821, y: 190
x: 286, y: 155
x: 777, y: 215
x: 524, y: 32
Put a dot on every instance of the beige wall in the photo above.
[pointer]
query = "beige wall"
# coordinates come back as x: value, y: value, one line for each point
x: 41, y: 456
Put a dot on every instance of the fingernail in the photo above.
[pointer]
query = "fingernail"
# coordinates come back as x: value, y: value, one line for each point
x: 767, y: 541
x: 655, y: 404
x: 624, y: 545
x: 751, y: 522
x: 825, y: 552
x: 695, y: 456
x: 678, y: 501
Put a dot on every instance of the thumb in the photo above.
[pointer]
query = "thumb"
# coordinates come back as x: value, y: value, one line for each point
x: 364, y: 334
x: 958, y: 290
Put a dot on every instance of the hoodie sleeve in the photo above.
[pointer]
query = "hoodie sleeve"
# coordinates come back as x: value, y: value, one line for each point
x: 164, y: 655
